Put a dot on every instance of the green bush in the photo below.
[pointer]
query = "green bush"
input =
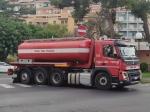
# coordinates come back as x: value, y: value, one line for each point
x: 10, y: 59
x: 144, y: 67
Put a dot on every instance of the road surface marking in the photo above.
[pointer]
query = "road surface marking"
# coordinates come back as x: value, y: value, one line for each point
x: 6, y: 86
x: 40, y: 85
x: 5, y: 78
x: 23, y: 85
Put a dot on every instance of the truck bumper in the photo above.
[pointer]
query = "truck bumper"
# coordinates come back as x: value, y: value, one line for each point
x: 131, y: 78
x: 125, y: 83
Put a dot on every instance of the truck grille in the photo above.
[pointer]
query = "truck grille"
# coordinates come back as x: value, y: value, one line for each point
x: 132, y: 62
x: 134, y: 75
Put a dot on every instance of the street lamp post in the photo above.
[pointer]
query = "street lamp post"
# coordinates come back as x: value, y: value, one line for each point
x: 139, y: 37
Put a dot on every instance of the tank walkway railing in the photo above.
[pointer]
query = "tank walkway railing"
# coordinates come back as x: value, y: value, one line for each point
x: 55, y: 39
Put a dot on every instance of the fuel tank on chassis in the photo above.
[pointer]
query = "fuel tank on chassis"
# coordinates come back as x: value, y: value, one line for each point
x: 56, y: 51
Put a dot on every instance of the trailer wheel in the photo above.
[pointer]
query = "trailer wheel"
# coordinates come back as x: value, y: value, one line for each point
x: 40, y: 76
x: 103, y: 81
x: 56, y: 78
x: 25, y: 76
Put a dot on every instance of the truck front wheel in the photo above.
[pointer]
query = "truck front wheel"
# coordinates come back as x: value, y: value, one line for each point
x: 25, y: 76
x: 103, y: 81
x: 56, y: 78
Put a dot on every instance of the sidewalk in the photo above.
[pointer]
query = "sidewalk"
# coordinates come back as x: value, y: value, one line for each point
x: 145, y: 78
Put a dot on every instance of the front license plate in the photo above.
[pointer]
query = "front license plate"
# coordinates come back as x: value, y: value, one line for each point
x: 135, y: 78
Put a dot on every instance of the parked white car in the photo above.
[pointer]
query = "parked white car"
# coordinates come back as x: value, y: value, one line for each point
x: 4, y: 67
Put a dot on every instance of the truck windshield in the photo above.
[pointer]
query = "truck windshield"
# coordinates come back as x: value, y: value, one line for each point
x: 128, y: 51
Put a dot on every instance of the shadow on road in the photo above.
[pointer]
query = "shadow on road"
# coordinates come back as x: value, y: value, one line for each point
x: 113, y: 89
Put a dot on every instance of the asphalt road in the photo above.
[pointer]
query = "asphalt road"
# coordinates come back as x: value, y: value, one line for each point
x: 34, y: 98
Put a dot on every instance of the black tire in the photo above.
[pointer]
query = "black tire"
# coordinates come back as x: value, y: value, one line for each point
x: 56, y: 78
x: 40, y: 76
x: 103, y: 81
x: 25, y: 76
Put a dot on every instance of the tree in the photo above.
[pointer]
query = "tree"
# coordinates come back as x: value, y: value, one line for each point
x: 38, y: 32
x: 34, y: 29
x: 44, y: 34
x: 12, y: 33
x: 98, y: 26
x: 61, y: 30
x: 6, y: 8
x: 82, y: 7
x: 25, y: 10
x: 141, y: 9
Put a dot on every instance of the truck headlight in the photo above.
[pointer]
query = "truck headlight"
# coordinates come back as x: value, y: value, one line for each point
x: 140, y: 74
x: 125, y: 76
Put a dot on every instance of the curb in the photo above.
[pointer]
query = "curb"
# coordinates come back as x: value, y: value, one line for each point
x: 145, y: 85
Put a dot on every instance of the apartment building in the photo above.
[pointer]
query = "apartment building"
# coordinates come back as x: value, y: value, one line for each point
x: 44, y: 19
x: 26, y: 3
x: 131, y: 24
x: 42, y: 3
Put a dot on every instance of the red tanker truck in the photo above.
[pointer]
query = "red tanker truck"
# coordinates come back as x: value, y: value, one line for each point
x: 90, y: 62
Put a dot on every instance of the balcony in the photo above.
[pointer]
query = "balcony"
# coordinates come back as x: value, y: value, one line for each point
x: 140, y: 29
x: 40, y: 20
x: 132, y: 29
x: 122, y: 21
x: 124, y: 29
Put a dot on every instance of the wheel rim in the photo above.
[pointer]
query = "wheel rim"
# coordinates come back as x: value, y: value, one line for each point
x: 24, y: 76
x: 103, y: 81
x: 40, y: 77
x: 56, y: 78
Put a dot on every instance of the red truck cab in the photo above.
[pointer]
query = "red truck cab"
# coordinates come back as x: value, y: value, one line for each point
x: 120, y: 60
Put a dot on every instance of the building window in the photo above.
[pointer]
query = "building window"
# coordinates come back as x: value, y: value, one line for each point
x: 131, y: 18
x: 38, y: 23
x: 120, y: 18
x: 54, y: 22
x: 69, y: 11
x: 48, y: 11
x: 44, y: 24
x: 62, y: 21
x: 38, y: 12
x: 66, y: 22
x: 45, y: 4
x: 131, y: 26
x: 57, y: 12
x: 40, y: 4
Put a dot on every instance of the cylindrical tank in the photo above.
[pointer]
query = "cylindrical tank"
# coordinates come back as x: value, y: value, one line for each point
x: 56, y: 51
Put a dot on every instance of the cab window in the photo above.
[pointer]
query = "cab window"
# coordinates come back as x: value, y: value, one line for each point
x: 109, y: 51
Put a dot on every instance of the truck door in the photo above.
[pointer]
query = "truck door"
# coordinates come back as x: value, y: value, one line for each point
x: 108, y: 58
